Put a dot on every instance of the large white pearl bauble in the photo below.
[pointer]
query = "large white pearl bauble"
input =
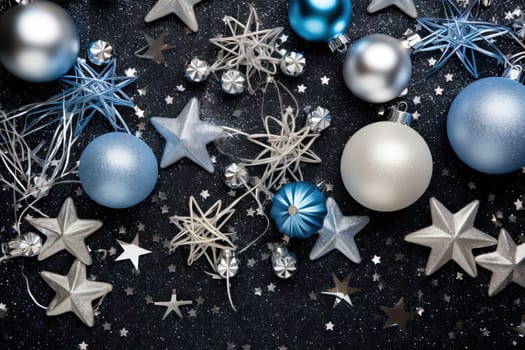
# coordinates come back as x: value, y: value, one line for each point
x: 377, y: 68
x: 386, y: 166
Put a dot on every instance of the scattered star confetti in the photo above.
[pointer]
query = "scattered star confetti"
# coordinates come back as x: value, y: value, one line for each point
x: 173, y: 305
x: 132, y: 251
x: 341, y: 291
x: 397, y: 316
x: 155, y: 48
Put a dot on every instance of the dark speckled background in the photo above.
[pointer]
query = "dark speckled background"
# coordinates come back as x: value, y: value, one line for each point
x: 287, y: 316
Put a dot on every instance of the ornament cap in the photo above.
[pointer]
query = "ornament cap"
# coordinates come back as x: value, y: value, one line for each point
x: 399, y: 113
x: 514, y: 72
x: 410, y: 39
x: 339, y: 43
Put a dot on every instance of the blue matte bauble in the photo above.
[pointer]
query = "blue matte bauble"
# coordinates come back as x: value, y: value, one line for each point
x: 319, y: 20
x: 298, y: 209
x: 118, y: 170
x: 486, y: 125
x: 39, y: 41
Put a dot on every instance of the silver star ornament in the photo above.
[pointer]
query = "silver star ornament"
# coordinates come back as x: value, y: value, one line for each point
x: 182, y: 8
x: 407, y: 6
x: 187, y: 136
x: 65, y: 232
x: 74, y: 293
x: 507, y: 263
x: 451, y: 237
x: 338, y: 232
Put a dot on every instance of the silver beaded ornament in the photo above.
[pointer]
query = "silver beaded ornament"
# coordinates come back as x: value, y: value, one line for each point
x: 228, y: 265
x: 293, y: 64
x: 100, y: 52
x: 197, y: 70
x: 236, y: 176
x: 318, y: 119
x: 233, y: 82
x: 284, y: 263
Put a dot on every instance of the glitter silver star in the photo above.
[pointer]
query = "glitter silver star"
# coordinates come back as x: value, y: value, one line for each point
x: 507, y: 263
x: 187, y: 136
x: 451, y: 237
x: 338, y: 232
x: 74, y: 293
x: 182, y: 8
x: 65, y: 232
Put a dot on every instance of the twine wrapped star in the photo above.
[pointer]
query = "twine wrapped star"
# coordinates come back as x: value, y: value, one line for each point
x: 457, y: 34
x: 250, y: 47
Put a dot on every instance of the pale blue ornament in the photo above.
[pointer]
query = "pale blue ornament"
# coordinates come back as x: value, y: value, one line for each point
x: 298, y: 209
x: 486, y: 125
x: 118, y: 170
x: 319, y: 20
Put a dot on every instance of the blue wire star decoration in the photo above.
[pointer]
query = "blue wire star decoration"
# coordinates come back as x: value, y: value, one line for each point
x: 91, y: 91
x: 87, y: 92
x: 458, y: 34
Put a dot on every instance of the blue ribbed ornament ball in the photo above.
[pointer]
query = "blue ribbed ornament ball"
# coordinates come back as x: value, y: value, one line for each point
x: 319, y: 20
x: 486, y: 125
x: 298, y: 209
x: 118, y: 170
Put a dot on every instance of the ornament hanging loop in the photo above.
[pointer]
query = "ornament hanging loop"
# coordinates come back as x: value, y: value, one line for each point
x: 410, y: 39
x: 514, y: 72
x: 339, y: 43
x: 399, y: 113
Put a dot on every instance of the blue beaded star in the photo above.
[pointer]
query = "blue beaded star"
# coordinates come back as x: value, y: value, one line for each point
x: 91, y: 91
x: 457, y: 35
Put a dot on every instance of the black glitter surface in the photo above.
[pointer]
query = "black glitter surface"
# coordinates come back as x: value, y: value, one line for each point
x: 457, y: 312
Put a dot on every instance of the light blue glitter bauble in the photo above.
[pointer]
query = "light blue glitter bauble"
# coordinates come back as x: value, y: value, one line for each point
x: 319, y: 20
x: 39, y: 41
x: 118, y: 170
x: 486, y: 125
x: 298, y: 209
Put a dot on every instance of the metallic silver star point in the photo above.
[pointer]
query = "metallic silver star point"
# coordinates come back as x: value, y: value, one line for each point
x: 75, y: 293
x: 507, y: 263
x: 406, y: 6
x: 338, y: 232
x: 187, y: 136
x: 451, y: 237
x: 182, y: 8
x: 65, y: 232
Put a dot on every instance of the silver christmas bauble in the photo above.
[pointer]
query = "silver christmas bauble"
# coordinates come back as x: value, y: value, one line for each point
x: 40, y: 41
x: 377, y: 68
x: 386, y: 166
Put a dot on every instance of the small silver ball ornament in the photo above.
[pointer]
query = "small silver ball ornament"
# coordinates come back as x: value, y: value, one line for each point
x: 100, y: 52
x: 228, y: 265
x: 377, y: 68
x: 197, y: 70
x: 293, y: 64
x: 236, y: 176
x: 233, y: 82
x: 40, y: 41
x: 284, y: 263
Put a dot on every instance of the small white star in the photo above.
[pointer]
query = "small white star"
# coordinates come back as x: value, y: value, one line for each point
x: 301, y: 88
x: 130, y: 72
x: 329, y: 326
x: 124, y: 332
x: 416, y: 115
x: 205, y: 194
x: 283, y: 38
x: 459, y: 276
x: 271, y: 287
x: 518, y: 204
x: 180, y: 88
x: 416, y: 100
x: 376, y: 260
x: 169, y: 100
x: 325, y: 80
x: 438, y: 91
x: 83, y: 346
x: 250, y: 212
x: 449, y: 77
x: 431, y: 61
x: 139, y: 112
x: 257, y: 291
x: 142, y: 92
